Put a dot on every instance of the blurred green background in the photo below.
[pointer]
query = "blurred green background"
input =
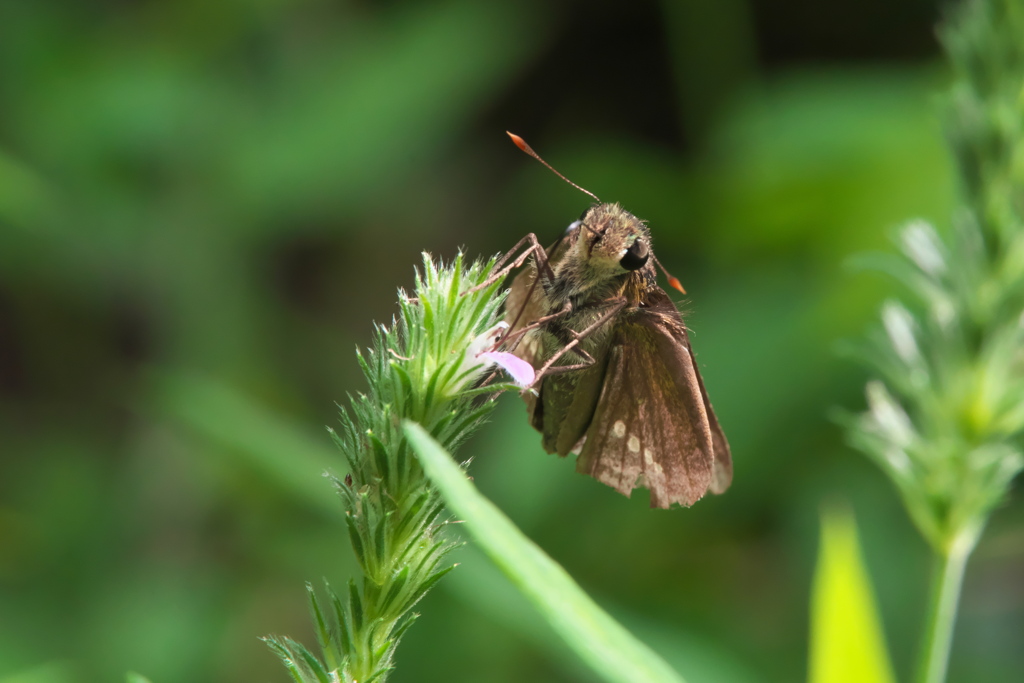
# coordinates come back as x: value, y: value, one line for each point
x: 204, y: 205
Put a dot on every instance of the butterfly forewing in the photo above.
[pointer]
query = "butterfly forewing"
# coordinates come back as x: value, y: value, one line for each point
x: 722, y: 475
x: 651, y: 427
x: 525, y: 303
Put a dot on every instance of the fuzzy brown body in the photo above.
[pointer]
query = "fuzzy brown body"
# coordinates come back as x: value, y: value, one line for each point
x: 635, y: 409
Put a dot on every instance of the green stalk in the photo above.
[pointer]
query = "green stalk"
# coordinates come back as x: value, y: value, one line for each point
x: 945, y: 596
x: 945, y: 420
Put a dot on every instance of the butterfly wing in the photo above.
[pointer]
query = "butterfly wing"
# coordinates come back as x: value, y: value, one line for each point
x: 526, y: 303
x: 653, y: 423
x: 566, y: 405
x: 722, y: 474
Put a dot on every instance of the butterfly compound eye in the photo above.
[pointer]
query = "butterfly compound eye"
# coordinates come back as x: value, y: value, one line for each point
x: 636, y: 256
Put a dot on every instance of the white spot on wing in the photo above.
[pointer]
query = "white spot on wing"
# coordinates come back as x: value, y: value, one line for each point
x: 619, y: 429
x: 633, y: 444
x: 655, y: 476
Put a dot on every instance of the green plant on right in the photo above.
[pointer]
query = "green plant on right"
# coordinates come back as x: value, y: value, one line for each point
x: 945, y: 419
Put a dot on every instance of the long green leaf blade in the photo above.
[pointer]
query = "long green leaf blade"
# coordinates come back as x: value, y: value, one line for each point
x: 603, y: 644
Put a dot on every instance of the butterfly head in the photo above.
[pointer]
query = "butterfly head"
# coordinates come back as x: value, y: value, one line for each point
x: 610, y: 241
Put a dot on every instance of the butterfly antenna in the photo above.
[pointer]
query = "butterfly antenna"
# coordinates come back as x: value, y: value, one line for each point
x: 672, y: 281
x: 521, y: 144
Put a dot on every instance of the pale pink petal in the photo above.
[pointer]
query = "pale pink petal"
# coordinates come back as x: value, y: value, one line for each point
x: 522, y: 372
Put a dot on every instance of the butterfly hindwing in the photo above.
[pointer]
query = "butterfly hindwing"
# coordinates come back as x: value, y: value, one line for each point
x: 566, y: 405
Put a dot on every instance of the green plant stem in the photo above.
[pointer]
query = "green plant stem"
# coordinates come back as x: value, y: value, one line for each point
x: 945, y: 596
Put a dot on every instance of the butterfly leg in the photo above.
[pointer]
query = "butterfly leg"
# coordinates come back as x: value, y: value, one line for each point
x: 535, y: 249
x: 614, y: 306
x: 516, y: 337
x: 588, y: 360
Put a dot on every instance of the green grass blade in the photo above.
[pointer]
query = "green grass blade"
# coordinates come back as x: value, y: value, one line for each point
x: 603, y: 644
x: 847, y: 641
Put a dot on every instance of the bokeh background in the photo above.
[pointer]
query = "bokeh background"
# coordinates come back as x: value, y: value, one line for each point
x: 204, y: 206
